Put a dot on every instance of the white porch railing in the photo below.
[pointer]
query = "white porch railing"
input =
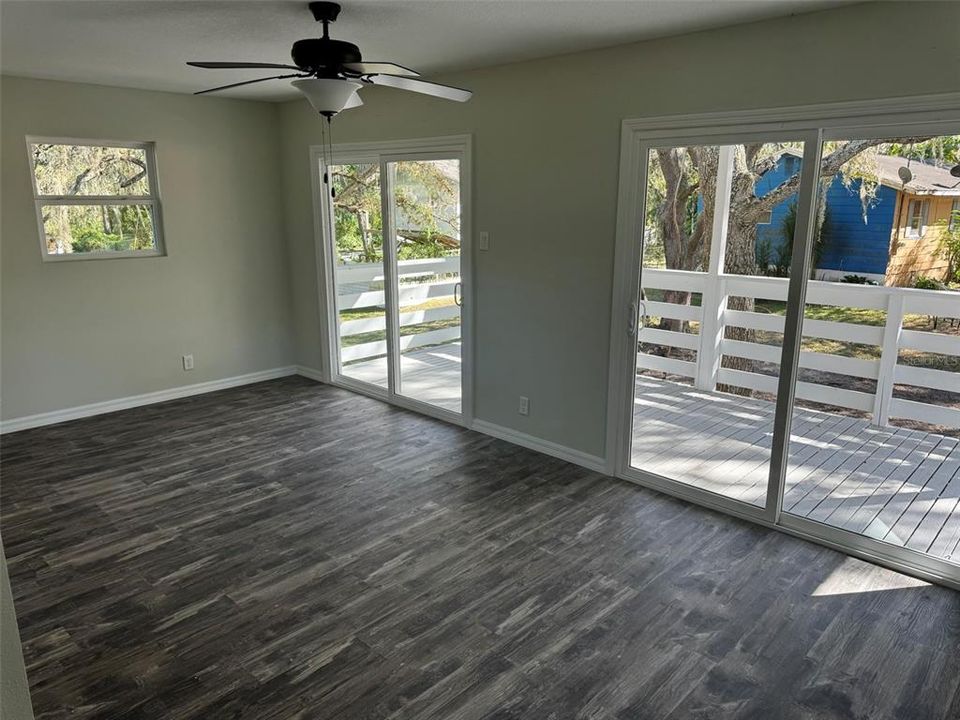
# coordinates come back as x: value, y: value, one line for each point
x: 711, y: 346
x: 420, y: 281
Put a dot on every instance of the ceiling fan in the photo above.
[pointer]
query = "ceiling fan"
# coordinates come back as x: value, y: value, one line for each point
x: 331, y: 72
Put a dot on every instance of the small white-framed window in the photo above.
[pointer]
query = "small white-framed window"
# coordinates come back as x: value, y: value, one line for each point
x: 954, y: 222
x: 917, y: 218
x: 95, y: 199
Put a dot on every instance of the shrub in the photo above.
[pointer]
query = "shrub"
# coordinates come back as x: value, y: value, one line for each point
x: 764, y: 254
x: 950, y: 245
x: 93, y: 239
x: 788, y: 227
x: 855, y: 279
x: 928, y: 283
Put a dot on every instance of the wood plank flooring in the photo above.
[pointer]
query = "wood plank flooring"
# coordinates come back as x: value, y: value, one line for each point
x: 292, y: 550
x: 898, y: 485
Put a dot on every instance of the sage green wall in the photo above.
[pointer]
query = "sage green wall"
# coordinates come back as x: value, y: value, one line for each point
x: 546, y: 152
x: 14, y: 691
x: 84, y: 332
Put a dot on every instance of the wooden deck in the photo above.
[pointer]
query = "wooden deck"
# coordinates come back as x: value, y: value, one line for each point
x: 894, y: 484
x: 430, y: 374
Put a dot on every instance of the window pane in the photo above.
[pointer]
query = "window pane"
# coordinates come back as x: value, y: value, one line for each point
x: 90, y: 170
x: 360, y: 274
x: 97, y: 228
x: 875, y: 440
x: 425, y: 211
x: 711, y: 314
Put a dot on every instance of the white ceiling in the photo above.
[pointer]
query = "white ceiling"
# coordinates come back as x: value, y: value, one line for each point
x: 144, y: 43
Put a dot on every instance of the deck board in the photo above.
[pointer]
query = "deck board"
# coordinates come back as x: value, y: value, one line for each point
x: 430, y: 374
x: 894, y: 484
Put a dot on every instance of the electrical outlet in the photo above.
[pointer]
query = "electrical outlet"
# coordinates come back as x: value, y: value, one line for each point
x: 188, y: 362
x: 484, y: 240
x: 524, y: 405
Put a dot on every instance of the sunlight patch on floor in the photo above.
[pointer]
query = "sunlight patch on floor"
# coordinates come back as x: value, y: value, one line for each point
x: 848, y: 580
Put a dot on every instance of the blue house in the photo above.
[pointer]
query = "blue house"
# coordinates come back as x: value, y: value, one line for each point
x: 893, y: 242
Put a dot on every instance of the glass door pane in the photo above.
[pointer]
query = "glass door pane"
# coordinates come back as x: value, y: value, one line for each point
x: 424, y: 206
x: 874, y: 445
x: 717, y: 240
x: 361, y: 294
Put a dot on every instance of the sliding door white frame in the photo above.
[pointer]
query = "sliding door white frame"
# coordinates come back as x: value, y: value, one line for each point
x: 457, y: 147
x: 811, y: 124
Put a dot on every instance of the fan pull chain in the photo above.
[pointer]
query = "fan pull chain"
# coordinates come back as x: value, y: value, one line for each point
x: 333, y: 190
x: 326, y: 143
x: 323, y: 146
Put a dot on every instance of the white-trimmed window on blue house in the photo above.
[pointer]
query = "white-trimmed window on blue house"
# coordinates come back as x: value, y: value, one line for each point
x: 95, y: 199
x: 917, y: 218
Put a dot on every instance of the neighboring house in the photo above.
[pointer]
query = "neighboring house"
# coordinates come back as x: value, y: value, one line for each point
x: 894, y: 241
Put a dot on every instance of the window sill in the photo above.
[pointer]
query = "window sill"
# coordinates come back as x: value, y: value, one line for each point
x: 78, y: 257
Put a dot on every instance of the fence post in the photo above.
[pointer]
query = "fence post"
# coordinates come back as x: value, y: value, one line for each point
x: 888, y: 358
x: 714, y: 298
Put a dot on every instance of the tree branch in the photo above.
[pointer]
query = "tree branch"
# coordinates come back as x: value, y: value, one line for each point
x: 829, y: 166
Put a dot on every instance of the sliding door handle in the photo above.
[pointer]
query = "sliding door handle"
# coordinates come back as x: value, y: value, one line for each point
x: 458, y: 294
x: 634, y: 322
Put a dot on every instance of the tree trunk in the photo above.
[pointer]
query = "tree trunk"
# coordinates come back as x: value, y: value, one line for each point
x: 740, y: 260
x: 363, y: 223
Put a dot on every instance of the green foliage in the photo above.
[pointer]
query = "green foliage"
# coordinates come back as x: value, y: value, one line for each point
x: 855, y: 280
x: 426, y: 204
x: 95, y: 239
x: 776, y: 260
x: 924, y: 282
x: 949, y: 231
x: 98, y: 228
x: 764, y: 254
x: 945, y: 148
x: 427, y: 247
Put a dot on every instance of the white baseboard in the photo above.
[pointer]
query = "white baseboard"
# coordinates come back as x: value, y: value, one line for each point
x: 591, y: 462
x: 132, y: 401
x: 577, y: 457
x: 309, y: 372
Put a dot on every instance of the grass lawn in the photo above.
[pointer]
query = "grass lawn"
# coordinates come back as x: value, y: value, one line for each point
x: 860, y: 316
x: 857, y: 316
x: 373, y: 312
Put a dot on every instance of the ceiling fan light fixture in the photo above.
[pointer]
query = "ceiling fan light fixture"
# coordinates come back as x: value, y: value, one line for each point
x: 328, y: 96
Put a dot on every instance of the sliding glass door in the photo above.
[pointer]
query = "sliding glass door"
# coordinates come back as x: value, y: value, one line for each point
x: 880, y: 359
x: 709, y: 319
x: 394, y: 235
x: 424, y: 217
x: 360, y: 272
x: 791, y: 302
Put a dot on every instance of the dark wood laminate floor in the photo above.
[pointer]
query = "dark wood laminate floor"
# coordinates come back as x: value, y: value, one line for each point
x: 291, y: 550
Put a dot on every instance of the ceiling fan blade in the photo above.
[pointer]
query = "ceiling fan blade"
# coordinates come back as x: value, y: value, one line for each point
x: 373, y: 68
x: 228, y: 65
x: 447, y: 92
x: 249, y: 82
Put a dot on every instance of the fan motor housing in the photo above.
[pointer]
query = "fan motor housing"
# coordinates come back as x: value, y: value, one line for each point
x: 319, y: 54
